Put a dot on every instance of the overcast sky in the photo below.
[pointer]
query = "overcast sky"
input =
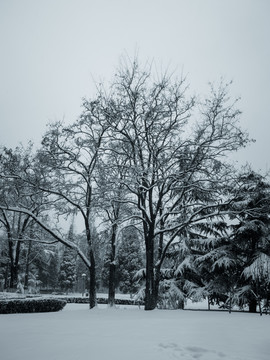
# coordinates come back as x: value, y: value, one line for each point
x: 51, y: 50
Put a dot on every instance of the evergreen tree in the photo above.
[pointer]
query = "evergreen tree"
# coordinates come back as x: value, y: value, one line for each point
x: 251, y: 241
x: 231, y: 259
x: 67, y: 276
x: 67, y: 273
x: 53, y: 269
x: 3, y: 264
x: 130, y: 260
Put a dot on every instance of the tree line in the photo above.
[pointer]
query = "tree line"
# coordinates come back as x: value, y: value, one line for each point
x: 148, y: 160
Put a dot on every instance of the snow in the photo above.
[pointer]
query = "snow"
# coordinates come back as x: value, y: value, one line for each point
x: 134, y: 334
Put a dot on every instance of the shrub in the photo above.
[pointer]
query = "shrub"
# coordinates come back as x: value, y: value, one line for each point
x: 31, y: 305
x: 100, y: 300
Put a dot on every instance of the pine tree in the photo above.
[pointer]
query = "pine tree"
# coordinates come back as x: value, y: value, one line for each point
x: 67, y: 273
x: 232, y: 259
x: 53, y: 269
x: 251, y: 241
x: 67, y: 277
x: 129, y: 260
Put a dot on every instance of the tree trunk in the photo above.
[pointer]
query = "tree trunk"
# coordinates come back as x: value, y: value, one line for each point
x: 6, y: 285
x: 92, y: 269
x: 150, y: 286
x: 112, y: 268
x: 252, y: 306
x: 13, y: 267
x: 14, y: 255
x: 13, y: 275
x: 111, y: 294
x: 157, y: 281
x: 27, y: 265
x: 92, y: 285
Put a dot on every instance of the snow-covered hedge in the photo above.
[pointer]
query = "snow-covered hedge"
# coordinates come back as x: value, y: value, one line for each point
x: 30, y: 305
x: 101, y: 300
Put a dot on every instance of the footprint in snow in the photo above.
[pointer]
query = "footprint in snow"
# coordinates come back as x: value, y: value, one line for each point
x: 188, y: 352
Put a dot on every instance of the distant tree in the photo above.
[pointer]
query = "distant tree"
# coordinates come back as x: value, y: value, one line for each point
x: 67, y: 272
x: 4, y: 261
x: 129, y: 260
x: 53, y: 270
x: 15, y: 192
x: 39, y: 251
x: 66, y: 279
x: 69, y: 155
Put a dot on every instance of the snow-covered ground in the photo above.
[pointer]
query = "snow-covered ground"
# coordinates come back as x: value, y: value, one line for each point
x: 129, y: 333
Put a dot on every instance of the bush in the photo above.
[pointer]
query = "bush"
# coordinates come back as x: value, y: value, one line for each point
x: 100, y: 300
x: 31, y: 305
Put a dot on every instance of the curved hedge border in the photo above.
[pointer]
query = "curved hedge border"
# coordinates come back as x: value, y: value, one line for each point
x: 31, y: 305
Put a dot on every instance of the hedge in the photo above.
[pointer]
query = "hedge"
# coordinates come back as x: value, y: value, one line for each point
x: 31, y: 305
x: 100, y: 300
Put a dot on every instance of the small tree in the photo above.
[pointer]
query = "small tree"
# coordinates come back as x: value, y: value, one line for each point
x: 129, y: 260
x: 67, y: 273
x: 53, y: 269
x: 66, y: 279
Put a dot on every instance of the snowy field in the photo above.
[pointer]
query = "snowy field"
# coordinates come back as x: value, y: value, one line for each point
x: 129, y: 333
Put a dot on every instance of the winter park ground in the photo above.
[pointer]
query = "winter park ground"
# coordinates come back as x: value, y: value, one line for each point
x: 130, y: 333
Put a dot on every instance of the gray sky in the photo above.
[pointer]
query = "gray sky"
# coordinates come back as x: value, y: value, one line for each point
x: 52, y: 50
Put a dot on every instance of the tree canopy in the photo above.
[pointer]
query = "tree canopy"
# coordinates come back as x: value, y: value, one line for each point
x: 143, y: 154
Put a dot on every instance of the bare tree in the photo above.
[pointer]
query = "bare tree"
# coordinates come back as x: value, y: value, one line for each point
x: 172, y: 153
x: 22, y: 199
x: 70, y: 156
x: 174, y: 150
x: 112, y: 207
x: 14, y: 191
x: 63, y: 169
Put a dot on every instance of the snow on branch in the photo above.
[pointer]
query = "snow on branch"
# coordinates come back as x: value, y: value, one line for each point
x: 63, y: 241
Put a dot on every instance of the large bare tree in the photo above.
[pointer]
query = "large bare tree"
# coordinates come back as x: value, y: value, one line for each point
x: 171, y: 149
x: 175, y: 149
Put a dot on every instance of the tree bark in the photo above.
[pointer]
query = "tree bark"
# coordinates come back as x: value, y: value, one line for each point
x: 92, y: 285
x: 150, y: 286
x: 13, y: 263
x: 111, y: 294
x: 13, y: 275
x: 112, y: 269
x: 252, y: 306
x: 26, y: 278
